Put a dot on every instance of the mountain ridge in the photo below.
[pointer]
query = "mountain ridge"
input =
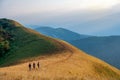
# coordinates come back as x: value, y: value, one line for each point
x: 60, y: 33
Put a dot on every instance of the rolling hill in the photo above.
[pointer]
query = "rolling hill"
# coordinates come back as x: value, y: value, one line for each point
x: 60, y: 33
x: 58, y: 59
x: 25, y: 42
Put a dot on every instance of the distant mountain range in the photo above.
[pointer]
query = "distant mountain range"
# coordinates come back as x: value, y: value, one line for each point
x: 105, y: 48
x: 61, y: 33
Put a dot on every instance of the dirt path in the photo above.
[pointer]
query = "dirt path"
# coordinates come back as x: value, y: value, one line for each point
x: 62, y: 60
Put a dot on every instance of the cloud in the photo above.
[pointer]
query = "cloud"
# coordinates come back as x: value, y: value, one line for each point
x: 98, y: 4
x: 19, y: 7
x: 82, y: 16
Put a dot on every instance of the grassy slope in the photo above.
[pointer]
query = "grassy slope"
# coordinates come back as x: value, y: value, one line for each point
x: 65, y: 66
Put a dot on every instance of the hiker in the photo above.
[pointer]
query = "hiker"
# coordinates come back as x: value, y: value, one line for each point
x: 33, y: 65
x: 38, y: 65
x: 29, y: 66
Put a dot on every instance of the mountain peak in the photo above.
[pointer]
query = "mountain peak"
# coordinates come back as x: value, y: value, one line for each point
x: 5, y: 23
x: 61, y: 33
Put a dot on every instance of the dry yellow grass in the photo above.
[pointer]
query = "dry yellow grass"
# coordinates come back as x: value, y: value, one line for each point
x: 64, y: 66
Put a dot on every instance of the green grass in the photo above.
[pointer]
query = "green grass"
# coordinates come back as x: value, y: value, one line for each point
x: 26, y: 44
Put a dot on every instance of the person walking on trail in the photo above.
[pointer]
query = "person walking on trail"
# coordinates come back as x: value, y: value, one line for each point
x: 29, y: 66
x: 38, y: 64
x: 33, y: 65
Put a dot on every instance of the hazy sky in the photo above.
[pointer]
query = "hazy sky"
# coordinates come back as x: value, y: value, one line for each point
x: 94, y: 17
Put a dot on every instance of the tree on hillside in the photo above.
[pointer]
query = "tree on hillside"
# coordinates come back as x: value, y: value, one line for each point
x: 4, y: 47
x: 1, y: 49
